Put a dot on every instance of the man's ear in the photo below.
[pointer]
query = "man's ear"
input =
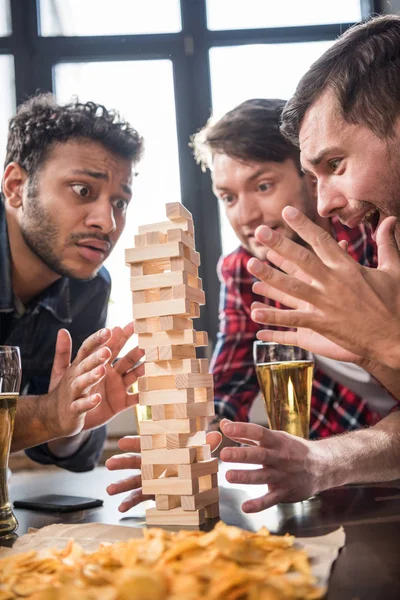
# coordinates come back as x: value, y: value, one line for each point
x: 14, y: 179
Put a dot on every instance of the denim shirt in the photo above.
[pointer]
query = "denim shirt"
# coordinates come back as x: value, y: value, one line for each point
x: 78, y: 306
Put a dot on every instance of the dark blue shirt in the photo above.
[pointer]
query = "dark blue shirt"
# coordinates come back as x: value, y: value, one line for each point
x: 80, y: 307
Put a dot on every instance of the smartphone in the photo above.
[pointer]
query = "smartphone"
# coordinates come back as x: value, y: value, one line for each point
x: 58, y: 503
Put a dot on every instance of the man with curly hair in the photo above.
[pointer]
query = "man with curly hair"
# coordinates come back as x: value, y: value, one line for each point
x: 65, y: 192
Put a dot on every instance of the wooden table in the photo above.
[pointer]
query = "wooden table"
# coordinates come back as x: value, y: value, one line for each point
x: 368, y: 567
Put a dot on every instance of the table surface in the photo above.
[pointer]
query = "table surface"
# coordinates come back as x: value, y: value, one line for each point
x: 368, y: 567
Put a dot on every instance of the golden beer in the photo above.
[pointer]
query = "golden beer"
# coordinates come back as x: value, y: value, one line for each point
x: 286, y: 389
x: 8, y: 407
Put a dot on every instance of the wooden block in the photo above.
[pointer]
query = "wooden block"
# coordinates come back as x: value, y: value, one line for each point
x: 147, y: 325
x: 155, y: 237
x: 185, y: 291
x: 140, y: 240
x: 194, y: 310
x: 176, y: 210
x: 178, y: 235
x: 153, y: 442
x: 191, y: 255
x: 195, y: 282
x: 175, y: 516
x: 143, y: 296
x: 137, y: 270
x: 200, y: 500
x: 159, y: 251
x: 163, y: 397
x: 174, y: 366
x: 189, y: 380
x: 151, y: 355
x: 164, y: 226
x: 183, y: 264
x: 183, y: 440
x: 163, y: 382
x: 178, y: 456
x: 175, y: 323
x: 172, y: 486
x: 201, y: 422
x: 155, y: 471
x: 187, y: 337
x: 197, y: 469
x: 161, y: 280
x: 203, y: 394
x: 138, y: 297
x: 198, y: 409
x: 155, y: 267
x: 176, y: 352
x: 168, y: 426
x: 164, y: 502
x: 212, y: 511
x: 208, y: 482
x: 182, y: 306
x: 203, y: 452
x: 159, y: 413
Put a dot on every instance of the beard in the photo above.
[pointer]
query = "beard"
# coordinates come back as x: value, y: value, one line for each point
x: 41, y: 234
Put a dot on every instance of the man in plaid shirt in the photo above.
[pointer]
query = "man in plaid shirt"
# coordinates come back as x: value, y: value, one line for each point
x: 255, y: 173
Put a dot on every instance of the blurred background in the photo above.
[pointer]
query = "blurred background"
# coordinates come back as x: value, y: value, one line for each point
x: 166, y: 65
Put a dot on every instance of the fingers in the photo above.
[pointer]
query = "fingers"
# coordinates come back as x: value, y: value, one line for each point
x: 125, y: 485
x: 124, y: 461
x: 129, y: 361
x: 83, y: 405
x: 285, y: 318
x: 62, y: 357
x: 263, y: 289
x: 93, y: 342
x: 83, y: 383
x: 129, y: 443
x: 249, y: 433
x: 281, y: 337
x: 249, y: 476
x: 344, y: 245
x: 388, y: 251
x: 250, y: 455
x: 134, y: 498
x: 89, y: 364
x: 214, y: 438
x: 262, y: 503
x: 119, y: 338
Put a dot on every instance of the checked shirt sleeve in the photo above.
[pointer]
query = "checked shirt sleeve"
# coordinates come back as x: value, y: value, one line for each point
x: 235, y: 380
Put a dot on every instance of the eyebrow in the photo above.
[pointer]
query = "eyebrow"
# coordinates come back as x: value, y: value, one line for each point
x: 261, y: 171
x: 321, y: 155
x: 102, y: 176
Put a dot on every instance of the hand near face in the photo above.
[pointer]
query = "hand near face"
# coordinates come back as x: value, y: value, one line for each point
x: 341, y: 309
x: 292, y: 467
x: 132, y: 460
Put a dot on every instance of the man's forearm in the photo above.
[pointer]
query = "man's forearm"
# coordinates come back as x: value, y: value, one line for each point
x: 64, y: 447
x: 362, y: 456
x: 31, y: 423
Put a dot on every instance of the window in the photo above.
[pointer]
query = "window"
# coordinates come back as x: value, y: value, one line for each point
x: 129, y: 87
x: 102, y: 17
x: 7, y: 99
x: 5, y: 18
x: 239, y: 73
x: 252, y: 14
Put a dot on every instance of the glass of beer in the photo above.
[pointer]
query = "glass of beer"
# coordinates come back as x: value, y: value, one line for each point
x: 10, y: 379
x: 285, y: 375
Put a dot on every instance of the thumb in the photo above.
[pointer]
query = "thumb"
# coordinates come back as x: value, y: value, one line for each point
x: 214, y: 438
x: 62, y: 358
x: 388, y: 251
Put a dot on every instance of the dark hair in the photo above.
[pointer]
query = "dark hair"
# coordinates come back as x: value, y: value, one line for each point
x: 248, y: 132
x: 40, y: 122
x: 363, y: 70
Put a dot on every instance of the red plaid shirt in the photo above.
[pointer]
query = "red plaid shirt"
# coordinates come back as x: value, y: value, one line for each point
x: 334, y: 408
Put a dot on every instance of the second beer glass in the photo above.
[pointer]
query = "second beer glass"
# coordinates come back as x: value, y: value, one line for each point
x: 285, y: 375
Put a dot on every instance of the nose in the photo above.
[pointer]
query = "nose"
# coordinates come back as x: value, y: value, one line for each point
x: 249, y: 212
x: 101, y: 215
x: 330, y: 199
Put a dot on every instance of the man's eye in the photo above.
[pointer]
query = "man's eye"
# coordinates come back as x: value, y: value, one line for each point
x: 81, y: 190
x: 334, y: 164
x: 264, y: 187
x: 120, y: 204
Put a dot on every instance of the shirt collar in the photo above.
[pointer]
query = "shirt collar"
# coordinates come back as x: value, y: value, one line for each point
x: 55, y: 298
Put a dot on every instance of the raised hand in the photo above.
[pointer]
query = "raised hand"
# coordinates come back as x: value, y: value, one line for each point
x: 132, y: 460
x: 355, y: 307
x: 293, y: 468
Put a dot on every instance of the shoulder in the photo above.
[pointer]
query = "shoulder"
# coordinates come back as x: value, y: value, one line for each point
x: 233, y: 266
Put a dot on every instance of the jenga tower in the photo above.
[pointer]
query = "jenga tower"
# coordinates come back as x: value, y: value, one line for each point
x: 176, y: 461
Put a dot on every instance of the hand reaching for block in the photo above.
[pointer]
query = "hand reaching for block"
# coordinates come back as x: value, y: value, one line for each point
x: 132, y: 460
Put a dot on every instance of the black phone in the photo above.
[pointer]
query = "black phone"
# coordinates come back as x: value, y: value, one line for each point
x: 58, y: 503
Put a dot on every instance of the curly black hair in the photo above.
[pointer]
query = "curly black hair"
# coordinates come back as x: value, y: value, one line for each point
x: 40, y: 122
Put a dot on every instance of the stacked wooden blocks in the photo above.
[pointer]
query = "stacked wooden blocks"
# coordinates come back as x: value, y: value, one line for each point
x: 176, y: 461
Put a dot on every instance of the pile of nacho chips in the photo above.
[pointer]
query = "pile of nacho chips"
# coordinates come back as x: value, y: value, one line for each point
x: 227, y: 563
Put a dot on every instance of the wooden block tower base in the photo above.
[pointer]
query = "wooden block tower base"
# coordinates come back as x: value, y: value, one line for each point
x: 167, y: 293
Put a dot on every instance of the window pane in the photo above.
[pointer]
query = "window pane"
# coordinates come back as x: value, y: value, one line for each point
x: 250, y: 14
x: 5, y: 18
x: 7, y: 100
x: 133, y: 88
x: 102, y: 17
x: 239, y: 73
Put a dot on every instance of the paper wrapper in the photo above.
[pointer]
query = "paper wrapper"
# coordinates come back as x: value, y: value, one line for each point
x: 323, y: 550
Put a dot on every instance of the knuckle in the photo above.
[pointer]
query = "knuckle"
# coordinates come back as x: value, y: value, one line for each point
x: 322, y: 238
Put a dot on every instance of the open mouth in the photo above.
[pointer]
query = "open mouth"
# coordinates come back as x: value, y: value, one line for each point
x: 372, y: 219
x: 94, y: 252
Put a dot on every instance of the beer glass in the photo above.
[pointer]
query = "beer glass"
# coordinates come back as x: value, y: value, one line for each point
x: 285, y: 375
x: 10, y: 379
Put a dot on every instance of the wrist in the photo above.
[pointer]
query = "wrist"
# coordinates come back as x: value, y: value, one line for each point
x: 66, y: 447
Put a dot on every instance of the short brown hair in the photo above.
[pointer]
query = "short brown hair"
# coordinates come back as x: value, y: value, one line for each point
x: 363, y: 70
x: 249, y: 132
